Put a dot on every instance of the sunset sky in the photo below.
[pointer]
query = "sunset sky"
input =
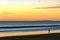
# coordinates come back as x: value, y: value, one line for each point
x: 18, y: 10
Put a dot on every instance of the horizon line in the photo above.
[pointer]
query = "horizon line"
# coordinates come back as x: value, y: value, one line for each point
x: 30, y: 20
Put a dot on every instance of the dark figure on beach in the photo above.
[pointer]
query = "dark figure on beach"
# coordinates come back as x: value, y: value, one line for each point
x: 49, y: 30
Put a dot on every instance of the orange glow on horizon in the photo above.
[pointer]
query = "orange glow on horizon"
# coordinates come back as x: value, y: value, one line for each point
x: 26, y: 12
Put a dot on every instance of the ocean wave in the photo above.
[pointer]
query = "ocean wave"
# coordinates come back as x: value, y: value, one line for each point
x: 24, y: 29
x: 26, y: 26
x: 29, y: 29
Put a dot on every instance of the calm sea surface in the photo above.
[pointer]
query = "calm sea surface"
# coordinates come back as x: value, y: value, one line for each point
x: 9, y: 26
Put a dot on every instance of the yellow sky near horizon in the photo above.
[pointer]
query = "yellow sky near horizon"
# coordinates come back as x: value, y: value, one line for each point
x: 25, y: 11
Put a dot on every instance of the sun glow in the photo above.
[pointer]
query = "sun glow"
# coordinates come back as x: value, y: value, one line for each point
x: 24, y: 10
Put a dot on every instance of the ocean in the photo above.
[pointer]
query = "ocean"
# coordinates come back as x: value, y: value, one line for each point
x: 11, y: 26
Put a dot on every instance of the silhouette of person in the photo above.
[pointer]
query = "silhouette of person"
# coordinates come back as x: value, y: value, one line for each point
x: 49, y: 30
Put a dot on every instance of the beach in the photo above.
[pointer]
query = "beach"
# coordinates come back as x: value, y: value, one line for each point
x: 7, y: 34
x: 52, y: 36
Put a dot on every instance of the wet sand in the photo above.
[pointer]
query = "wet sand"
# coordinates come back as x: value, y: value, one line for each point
x: 52, y: 36
x: 7, y: 34
x: 55, y: 31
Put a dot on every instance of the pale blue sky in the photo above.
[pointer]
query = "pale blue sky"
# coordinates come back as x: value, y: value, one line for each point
x: 29, y: 0
x: 43, y: 2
